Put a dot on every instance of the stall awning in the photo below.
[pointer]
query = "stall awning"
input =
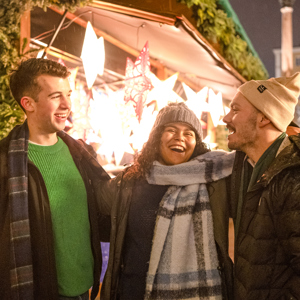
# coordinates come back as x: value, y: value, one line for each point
x: 174, y: 43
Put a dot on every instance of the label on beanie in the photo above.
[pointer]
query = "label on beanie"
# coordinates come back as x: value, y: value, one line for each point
x: 261, y: 88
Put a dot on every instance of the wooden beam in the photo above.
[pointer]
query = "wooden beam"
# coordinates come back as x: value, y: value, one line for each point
x: 123, y: 9
x: 108, y: 38
x: 162, y: 72
x: 25, y: 30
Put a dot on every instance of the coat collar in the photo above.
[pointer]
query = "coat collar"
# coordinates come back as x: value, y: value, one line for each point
x: 80, y: 150
x: 288, y: 157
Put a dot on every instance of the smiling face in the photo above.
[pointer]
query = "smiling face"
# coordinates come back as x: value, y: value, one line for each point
x: 242, y: 124
x: 47, y: 115
x: 177, y: 145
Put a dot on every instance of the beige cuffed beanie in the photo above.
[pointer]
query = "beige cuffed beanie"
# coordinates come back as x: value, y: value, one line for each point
x: 276, y: 98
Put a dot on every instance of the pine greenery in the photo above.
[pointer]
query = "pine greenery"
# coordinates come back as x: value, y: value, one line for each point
x: 219, y: 29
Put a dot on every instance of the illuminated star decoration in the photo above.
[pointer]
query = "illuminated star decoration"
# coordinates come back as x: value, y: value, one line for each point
x: 216, y: 106
x: 92, y: 55
x: 103, y: 111
x: 196, y: 101
x: 137, y: 81
x: 163, y: 91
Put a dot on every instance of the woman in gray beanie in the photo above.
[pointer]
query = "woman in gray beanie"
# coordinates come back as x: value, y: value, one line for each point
x: 169, y: 217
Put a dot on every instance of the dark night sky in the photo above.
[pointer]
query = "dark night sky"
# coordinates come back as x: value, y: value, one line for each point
x: 261, y: 20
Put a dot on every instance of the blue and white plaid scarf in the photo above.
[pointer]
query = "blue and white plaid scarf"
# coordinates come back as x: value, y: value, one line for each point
x: 21, y: 275
x: 184, y: 261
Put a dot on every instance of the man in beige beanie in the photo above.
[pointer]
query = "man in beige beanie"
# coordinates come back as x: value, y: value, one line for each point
x: 265, y: 198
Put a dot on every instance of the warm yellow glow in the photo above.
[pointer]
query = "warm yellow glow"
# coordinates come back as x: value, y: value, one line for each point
x: 216, y: 106
x: 80, y: 111
x: 101, y: 55
x: 142, y: 130
x: 207, y: 141
x: 163, y: 91
x: 106, y: 119
x: 196, y: 101
x: 40, y: 54
x: 226, y: 110
x: 92, y: 55
x: 72, y: 78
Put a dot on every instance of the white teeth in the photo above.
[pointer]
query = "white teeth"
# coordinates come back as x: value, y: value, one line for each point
x: 61, y: 115
x: 180, y: 148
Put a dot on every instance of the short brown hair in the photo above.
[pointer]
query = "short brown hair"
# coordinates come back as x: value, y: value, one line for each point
x: 23, y: 80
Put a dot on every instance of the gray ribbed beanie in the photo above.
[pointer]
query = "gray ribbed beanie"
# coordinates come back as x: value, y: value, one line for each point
x: 178, y: 112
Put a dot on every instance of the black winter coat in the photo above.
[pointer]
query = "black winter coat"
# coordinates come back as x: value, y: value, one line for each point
x: 43, y: 258
x: 267, y: 262
x: 115, y: 198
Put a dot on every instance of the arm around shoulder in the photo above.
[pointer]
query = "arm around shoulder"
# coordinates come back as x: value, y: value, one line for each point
x: 106, y: 193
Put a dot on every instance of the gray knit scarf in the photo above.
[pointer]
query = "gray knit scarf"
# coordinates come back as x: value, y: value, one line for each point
x: 184, y: 261
x: 21, y: 275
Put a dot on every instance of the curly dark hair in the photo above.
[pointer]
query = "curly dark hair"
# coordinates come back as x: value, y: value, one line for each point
x: 151, y: 152
x: 23, y: 80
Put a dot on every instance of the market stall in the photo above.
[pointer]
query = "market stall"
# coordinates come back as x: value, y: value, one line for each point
x: 145, y: 58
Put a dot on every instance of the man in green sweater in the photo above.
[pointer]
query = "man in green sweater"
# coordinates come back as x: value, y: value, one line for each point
x: 49, y: 223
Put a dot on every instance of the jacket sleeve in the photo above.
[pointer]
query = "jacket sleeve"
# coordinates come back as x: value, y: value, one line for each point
x: 287, y: 215
x: 106, y: 194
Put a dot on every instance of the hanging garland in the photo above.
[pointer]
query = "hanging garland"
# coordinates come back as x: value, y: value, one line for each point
x: 214, y: 24
x: 10, y: 16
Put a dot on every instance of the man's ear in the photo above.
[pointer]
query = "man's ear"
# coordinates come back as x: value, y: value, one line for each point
x: 263, y: 120
x: 27, y: 103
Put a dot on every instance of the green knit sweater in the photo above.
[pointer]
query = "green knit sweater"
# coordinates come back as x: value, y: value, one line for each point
x: 69, y: 213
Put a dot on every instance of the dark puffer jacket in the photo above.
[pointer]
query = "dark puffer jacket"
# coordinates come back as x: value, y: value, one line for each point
x: 267, y: 262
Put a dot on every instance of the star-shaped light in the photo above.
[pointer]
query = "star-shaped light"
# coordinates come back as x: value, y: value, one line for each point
x: 215, y: 106
x: 137, y: 82
x: 105, y: 117
x: 226, y: 111
x: 92, y: 55
x: 196, y: 101
x: 163, y: 91
x: 142, y: 130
